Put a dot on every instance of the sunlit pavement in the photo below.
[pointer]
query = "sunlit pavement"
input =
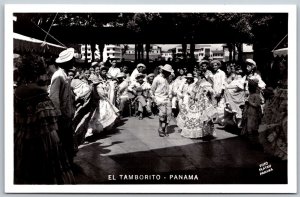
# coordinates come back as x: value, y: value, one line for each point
x: 134, y: 148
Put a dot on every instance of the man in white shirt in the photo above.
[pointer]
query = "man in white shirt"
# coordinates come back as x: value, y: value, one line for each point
x: 160, y: 91
x: 218, y: 78
x: 63, y: 99
x: 113, y: 71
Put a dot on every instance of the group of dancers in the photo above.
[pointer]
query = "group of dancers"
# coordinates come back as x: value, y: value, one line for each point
x: 52, y: 119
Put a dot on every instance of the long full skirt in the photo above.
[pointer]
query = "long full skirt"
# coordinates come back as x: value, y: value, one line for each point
x: 195, y: 118
x: 104, y: 116
x: 39, y: 154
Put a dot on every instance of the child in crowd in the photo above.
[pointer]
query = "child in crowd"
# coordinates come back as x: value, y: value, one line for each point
x: 183, y: 89
x: 85, y: 76
x: 252, y: 112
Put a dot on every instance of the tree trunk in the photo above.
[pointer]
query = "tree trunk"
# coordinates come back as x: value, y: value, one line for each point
x: 240, y: 52
x: 234, y: 53
x: 142, y: 51
x: 184, y: 46
x: 230, y: 51
x: 147, y: 52
x: 93, y: 49
x: 135, y: 53
x: 192, y: 51
x: 86, y: 56
x: 139, y: 52
x: 101, y: 49
x: 124, y: 49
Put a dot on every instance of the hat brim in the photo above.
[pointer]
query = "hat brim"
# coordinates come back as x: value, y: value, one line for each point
x: 170, y: 71
x: 250, y: 63
x: 215, y: 62
x: 67, y: 57
x: 203, y: 62
x: 58, y: 60
x: 94, y: 64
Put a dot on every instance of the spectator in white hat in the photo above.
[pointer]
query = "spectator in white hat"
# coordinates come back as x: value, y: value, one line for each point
x: 63, y: 99
x: 160, y: 92
x: 139, y: 69
x: 140, y: 90
x: 150, y: 78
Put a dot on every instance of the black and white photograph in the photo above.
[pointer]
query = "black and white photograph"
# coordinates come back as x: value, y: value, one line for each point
x: 142, y: 99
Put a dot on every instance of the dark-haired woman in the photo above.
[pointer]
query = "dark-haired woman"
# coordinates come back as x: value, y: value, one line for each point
x: 39, y: 157
x: 105, y: 114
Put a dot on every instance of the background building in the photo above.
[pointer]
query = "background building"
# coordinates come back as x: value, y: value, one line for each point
x: 247, y: 51
x: 89, y: 52
x: 113, y: 51
x: 213, y: 51
x: 166, y: 55
x: 154, y: 53
x: 127, y: 52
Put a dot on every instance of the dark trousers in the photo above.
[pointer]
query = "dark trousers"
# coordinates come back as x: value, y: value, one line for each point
x: 65, y: 133
x: 123, y: 102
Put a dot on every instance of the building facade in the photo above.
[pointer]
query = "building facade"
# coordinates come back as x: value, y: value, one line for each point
x: 201, y: 51
x: 110, y: 50
x: 167, y: 55
x: 89, y: 52
x: 113, y: 52
x: 154, y: 53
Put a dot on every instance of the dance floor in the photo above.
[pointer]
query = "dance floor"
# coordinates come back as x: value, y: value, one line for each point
x: 134, y: 148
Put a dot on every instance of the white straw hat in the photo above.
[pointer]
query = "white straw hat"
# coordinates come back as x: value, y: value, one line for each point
x: 94, y: 63
x: 65, y: 55
x: 167, y: 68
x: 251, y: 61
x: 141, y: 65
x: 189, y: 75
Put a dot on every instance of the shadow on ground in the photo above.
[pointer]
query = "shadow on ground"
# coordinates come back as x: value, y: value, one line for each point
x: 227, y: 161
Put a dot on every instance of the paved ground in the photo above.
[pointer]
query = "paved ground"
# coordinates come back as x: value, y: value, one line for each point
x: 134, y: 148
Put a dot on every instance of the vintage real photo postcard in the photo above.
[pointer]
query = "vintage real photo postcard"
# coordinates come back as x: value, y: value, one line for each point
x: 150, y: 98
